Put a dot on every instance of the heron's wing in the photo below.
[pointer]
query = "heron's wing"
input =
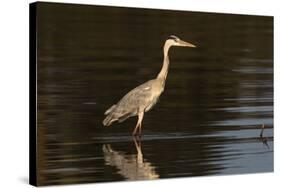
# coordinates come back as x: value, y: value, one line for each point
x: 129, y: 105
x: 137, y: 98
x: 110, y: 109
x: 124, y: 117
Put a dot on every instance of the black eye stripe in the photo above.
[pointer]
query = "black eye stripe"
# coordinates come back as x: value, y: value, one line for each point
x: 174, y: 37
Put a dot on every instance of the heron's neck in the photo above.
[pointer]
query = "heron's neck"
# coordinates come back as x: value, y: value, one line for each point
x: 164, y: 71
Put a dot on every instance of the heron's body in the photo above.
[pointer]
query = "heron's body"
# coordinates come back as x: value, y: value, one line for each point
x: 142, y: 98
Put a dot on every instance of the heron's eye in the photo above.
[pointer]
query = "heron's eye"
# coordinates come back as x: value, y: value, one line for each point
x: 176, y: 40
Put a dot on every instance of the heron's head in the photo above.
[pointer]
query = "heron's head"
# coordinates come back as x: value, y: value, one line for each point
x: 176, y: 41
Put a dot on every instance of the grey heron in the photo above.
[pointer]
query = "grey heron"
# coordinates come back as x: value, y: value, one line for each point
x: 142, y: 98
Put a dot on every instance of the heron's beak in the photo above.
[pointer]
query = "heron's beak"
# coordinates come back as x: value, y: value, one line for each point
x: 187, y: 44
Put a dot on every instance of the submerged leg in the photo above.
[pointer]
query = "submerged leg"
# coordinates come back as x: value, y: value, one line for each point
x: 137, y: 142
x: 138, y: 126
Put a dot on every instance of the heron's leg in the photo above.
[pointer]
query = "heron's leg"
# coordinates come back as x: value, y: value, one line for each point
x: 135, y: 130
x: 138, y: 126
x: 140, y: 121
x: 138, y: 148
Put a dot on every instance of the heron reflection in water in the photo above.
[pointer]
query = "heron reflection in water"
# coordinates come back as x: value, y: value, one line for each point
x: 144, y: 97
x: 131, y: 167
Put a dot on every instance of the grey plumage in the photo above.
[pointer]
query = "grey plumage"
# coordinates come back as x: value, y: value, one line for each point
x: 144, y: 97
x: 140, y: 98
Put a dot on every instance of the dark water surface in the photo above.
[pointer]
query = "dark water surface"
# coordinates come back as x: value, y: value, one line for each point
x: 208, y: 119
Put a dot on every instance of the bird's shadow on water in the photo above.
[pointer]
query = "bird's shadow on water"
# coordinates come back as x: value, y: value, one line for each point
x: 130, y: 166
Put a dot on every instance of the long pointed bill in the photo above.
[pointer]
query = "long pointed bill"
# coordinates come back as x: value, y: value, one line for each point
x: 187, y: 44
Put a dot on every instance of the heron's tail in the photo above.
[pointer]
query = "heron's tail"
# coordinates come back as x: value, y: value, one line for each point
x: 115, y: 114
x: 109, y: 119
x: 110, y: 116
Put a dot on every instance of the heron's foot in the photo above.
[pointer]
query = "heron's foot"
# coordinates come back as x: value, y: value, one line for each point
x: 137, y: 132
x: 137, y: 136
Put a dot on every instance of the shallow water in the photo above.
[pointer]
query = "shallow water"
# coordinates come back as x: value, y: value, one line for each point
x: 207, y: 122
